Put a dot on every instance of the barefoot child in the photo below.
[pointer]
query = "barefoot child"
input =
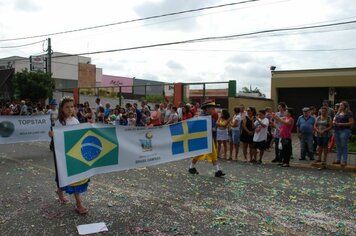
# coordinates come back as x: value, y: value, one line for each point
x: 66, y: 117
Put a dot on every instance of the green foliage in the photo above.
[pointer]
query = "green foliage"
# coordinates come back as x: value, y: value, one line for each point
x: 250, y: 90
x: 34, y: 86
x: 352, y: 144
x: 155, y: 98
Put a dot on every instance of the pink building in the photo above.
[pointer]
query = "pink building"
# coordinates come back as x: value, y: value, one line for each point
x: 116, y: 81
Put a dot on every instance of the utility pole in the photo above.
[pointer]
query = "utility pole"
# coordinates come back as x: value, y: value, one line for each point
x: 49, y: 57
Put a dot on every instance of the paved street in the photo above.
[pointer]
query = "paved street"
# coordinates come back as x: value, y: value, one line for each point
x: 165, y: 200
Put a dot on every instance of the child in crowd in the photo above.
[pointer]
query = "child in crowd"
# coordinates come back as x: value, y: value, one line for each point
x: 66, y: 117
x: 131, y: 120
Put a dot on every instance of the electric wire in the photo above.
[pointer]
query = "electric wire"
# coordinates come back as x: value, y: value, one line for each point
x: 131, y: 21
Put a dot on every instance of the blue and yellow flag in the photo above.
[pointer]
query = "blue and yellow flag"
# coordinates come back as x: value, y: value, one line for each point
x: 189, y: 136
x: 90, y: 148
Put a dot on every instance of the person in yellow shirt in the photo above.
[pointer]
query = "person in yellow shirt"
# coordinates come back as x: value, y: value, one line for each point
x: 208, y: 110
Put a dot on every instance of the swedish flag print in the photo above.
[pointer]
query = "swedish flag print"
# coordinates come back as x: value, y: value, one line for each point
x: 90, y: 148
x: 189, y: 136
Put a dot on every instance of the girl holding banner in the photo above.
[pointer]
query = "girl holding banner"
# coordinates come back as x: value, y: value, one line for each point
x: 66, y: 117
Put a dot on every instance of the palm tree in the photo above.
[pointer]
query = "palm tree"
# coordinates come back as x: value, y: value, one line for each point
x: 250, y: 90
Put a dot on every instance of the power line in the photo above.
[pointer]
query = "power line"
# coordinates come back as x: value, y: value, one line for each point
x: 216, y: 38
x: 23, y: 45
x: 281, y: 50
x: 228, y: 37
x: 133, y: 20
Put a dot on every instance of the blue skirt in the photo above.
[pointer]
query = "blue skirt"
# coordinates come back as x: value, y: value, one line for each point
x: 81, y: 188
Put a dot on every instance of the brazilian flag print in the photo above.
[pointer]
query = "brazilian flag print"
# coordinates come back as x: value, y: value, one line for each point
x: 90, y: 148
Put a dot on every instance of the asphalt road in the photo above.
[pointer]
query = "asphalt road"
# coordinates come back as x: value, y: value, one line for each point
x: 166, y: 200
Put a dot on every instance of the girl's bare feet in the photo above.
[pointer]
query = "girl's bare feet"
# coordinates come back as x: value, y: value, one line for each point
x: 61, y: 197
x: 80, y: 209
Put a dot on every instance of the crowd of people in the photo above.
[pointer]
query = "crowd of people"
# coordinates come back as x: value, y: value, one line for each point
x: 257, y: 131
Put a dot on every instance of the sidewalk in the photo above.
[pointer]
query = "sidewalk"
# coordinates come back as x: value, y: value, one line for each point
x: 269, y: 156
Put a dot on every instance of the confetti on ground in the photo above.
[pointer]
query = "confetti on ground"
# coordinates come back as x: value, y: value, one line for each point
x: 166, y: 200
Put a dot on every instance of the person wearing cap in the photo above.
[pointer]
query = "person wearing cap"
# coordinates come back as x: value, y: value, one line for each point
x: 305, y: 130
x: 208, y: 110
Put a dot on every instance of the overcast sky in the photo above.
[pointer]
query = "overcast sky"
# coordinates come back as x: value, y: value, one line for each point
x: 246, y: 60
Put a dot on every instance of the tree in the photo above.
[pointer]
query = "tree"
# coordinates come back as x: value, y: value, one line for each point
x: 250, y: 90
x: 34, y: 86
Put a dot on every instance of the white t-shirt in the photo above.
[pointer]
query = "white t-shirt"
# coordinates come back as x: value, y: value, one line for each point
x: 237, y: 118
x: 69, y: 121
x: 131, y: 122
x: 167, y: 115
x: 261, y: 135
x: 53, y: 115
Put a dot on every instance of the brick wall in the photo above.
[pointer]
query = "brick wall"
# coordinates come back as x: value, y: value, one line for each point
x: 87, y: 75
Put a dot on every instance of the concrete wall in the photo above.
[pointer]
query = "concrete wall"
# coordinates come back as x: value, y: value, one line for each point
x: 258, y: 103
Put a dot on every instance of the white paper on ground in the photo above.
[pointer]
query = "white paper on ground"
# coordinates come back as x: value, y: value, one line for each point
x: 92, y: 228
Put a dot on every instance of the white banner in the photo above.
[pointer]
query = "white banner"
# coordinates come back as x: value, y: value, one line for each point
x: 88, y: 149
x: 16, y: 129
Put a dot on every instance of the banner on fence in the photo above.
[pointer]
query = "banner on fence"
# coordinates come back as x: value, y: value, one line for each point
x: 88, y: 149
x: 16, y: 129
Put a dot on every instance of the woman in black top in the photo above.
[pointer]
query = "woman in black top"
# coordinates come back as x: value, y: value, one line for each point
x: 248, y: 128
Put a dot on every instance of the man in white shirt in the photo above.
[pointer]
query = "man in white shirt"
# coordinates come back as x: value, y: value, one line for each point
x: 260, y: 135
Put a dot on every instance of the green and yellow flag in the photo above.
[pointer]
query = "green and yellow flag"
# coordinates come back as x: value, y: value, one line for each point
x: 90, y: 148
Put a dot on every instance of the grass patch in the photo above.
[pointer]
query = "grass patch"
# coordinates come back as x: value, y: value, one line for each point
x: 352, y: 144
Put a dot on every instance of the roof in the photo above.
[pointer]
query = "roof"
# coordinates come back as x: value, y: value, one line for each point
x: 315, y: 70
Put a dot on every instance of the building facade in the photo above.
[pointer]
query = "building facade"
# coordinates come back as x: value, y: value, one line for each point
x: 68, y: 71
x: 303, y: 88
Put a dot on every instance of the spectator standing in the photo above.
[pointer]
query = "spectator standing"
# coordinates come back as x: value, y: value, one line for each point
x: 260, y: 135
x: 97, y: 105
x: 131, y: 120
x: 330, y: 112
x: 323, y: 125
x: 155, y: 118
x: 277, y: 126
x: 107, y: 111
x: 168, y: 112
x: 222, y: 131
x: 173, y: 116
x: 186, y: 113
x: 235, y: 125
x: 87, y: 112
x: 248, y: 129
x: 343, y: 122
x: 7, y: 110
x: 305, y: 129
x: 332, y: 140
x: 285, y: 136
x: 100, y: 115
x: 24, y: 109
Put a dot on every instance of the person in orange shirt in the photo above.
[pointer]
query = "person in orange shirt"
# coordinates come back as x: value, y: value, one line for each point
x: 156, y: 116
